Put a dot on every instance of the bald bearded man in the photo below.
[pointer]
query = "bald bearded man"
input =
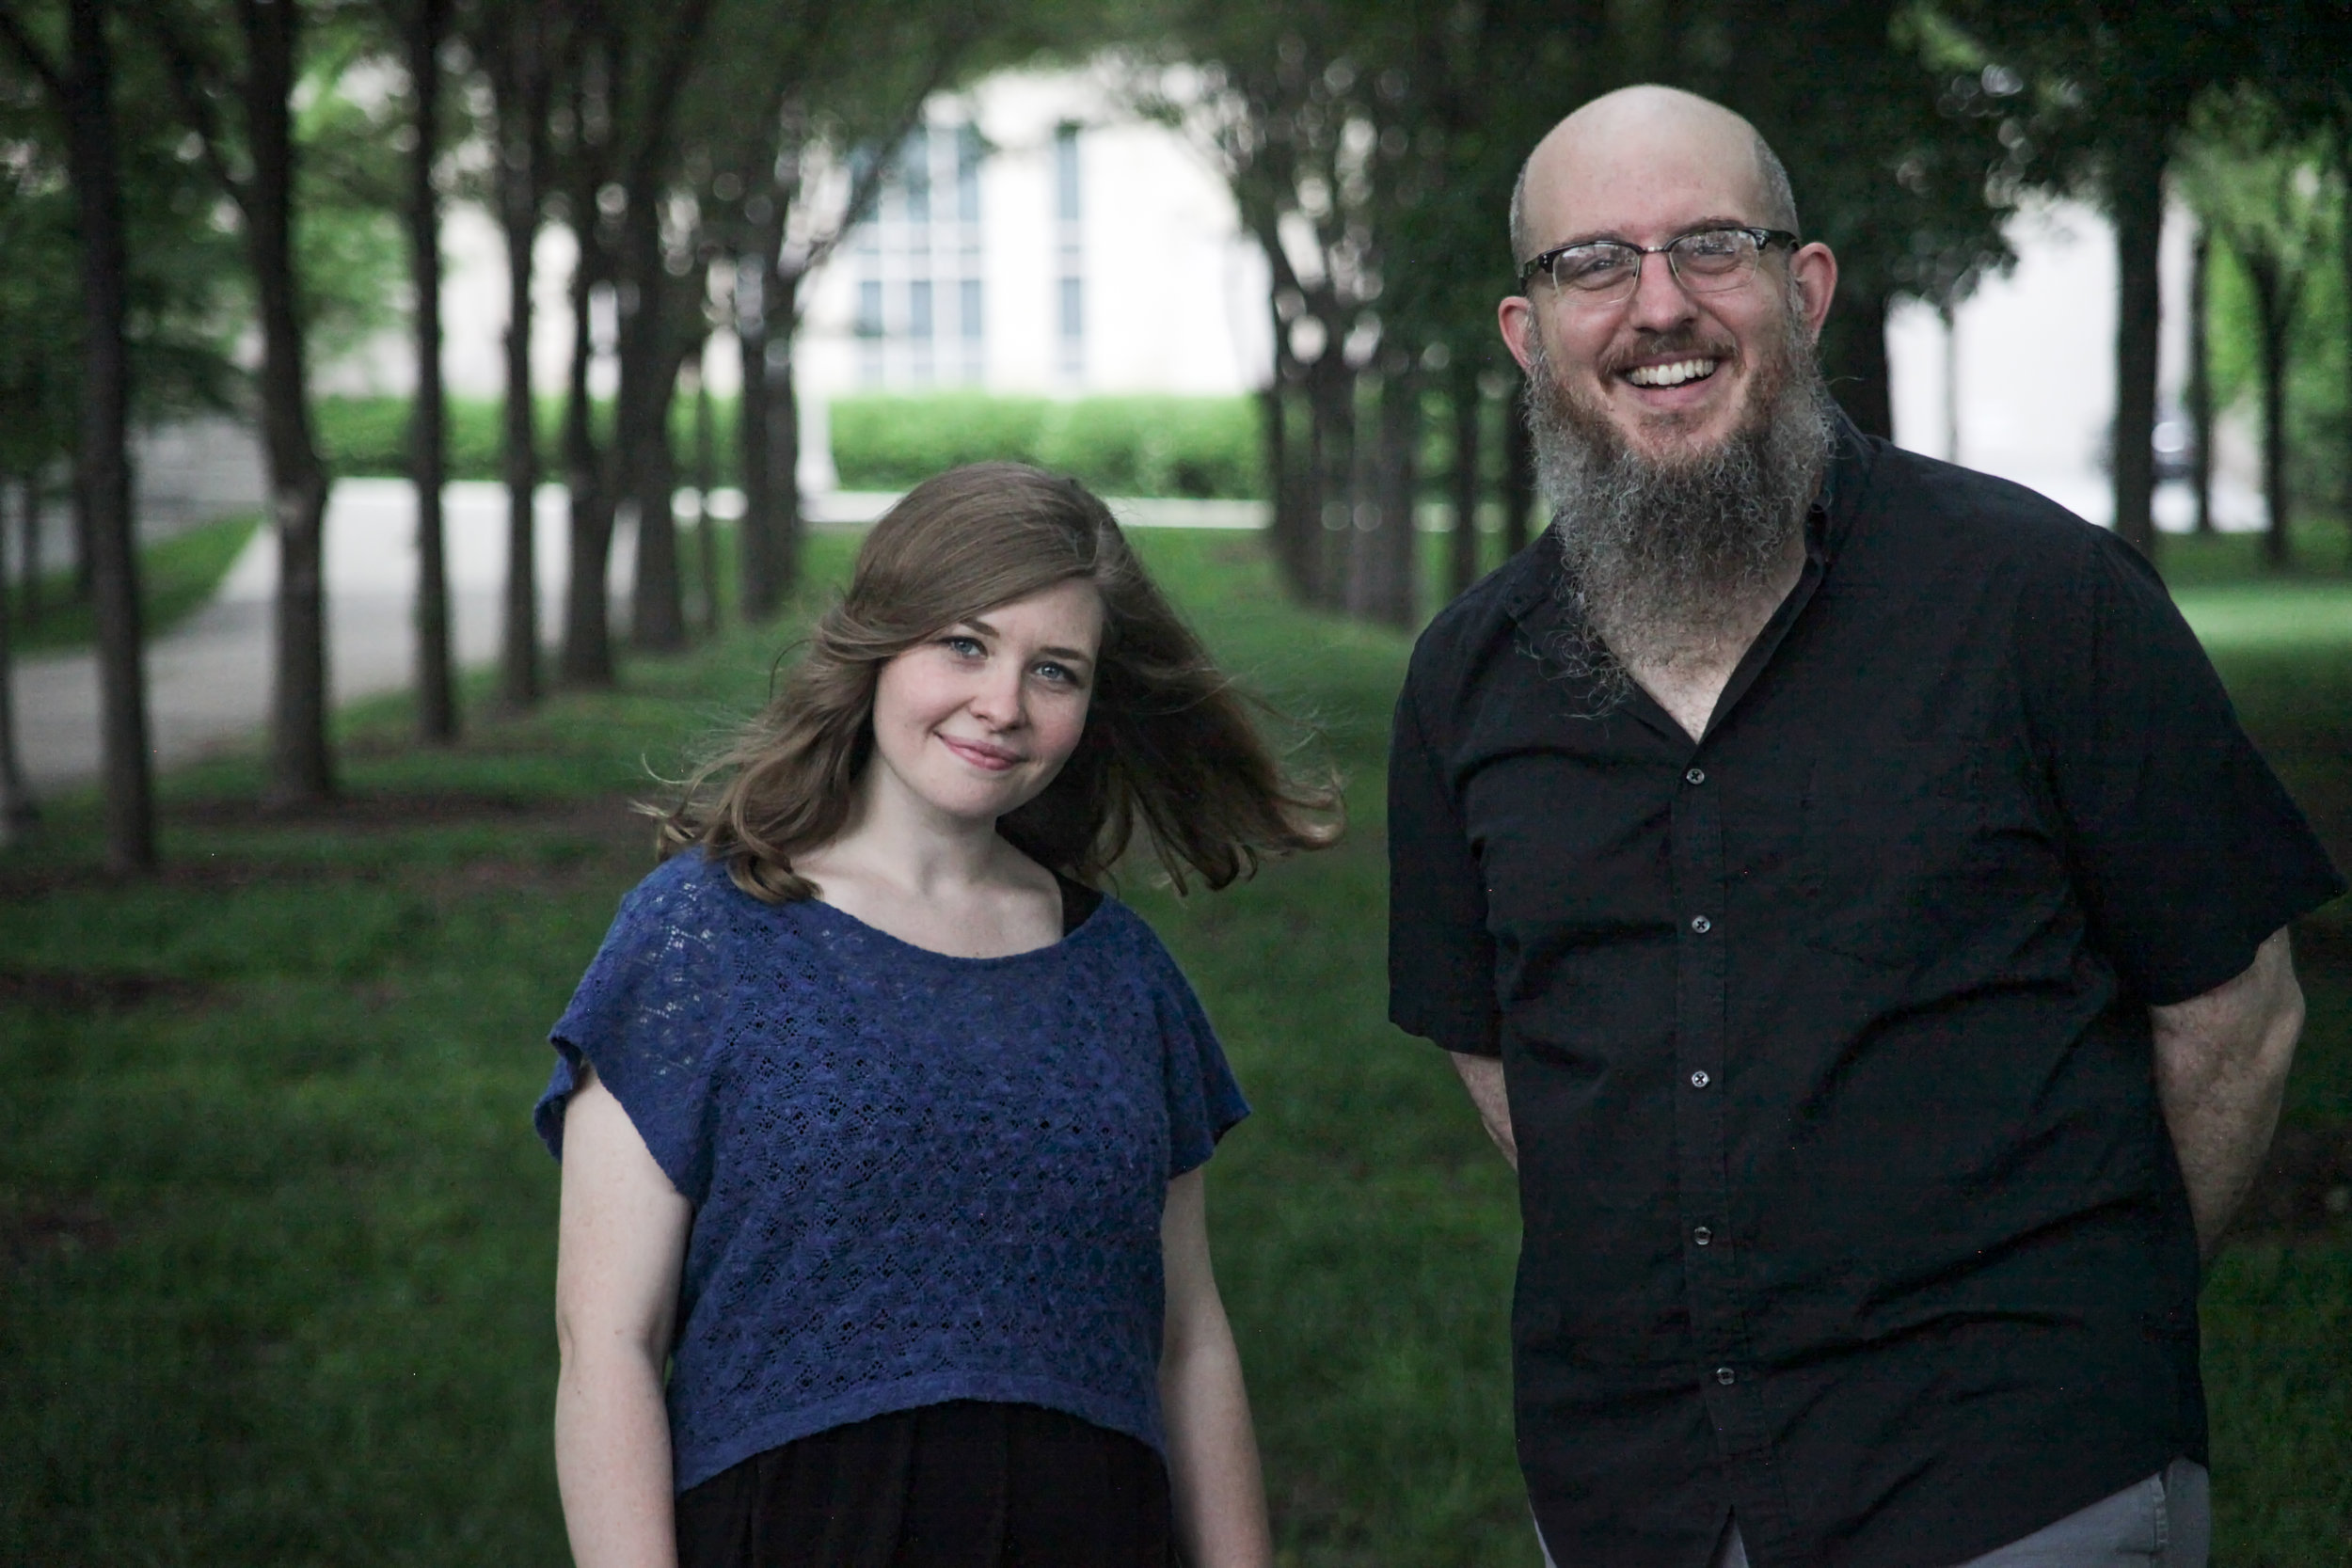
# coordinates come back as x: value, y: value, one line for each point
x: 1852, y: 906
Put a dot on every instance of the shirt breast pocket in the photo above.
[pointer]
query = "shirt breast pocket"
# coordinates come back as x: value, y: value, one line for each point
x: 1893, y: 837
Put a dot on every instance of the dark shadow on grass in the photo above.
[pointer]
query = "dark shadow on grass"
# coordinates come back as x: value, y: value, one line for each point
x: 87, y: 990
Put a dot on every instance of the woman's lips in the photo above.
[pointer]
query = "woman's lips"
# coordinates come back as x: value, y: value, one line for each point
x: 979, y: 753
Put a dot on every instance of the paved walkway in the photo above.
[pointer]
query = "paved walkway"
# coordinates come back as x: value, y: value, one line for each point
x: 209, y: 678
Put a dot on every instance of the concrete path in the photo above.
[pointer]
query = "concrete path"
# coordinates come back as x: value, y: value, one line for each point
x: 209, y: 678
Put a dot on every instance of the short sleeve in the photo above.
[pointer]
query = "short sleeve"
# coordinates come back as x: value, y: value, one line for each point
x: 1441, y: 959
x: 1204, y: 1103
x: 2186, y: 849
x: 646, y: 1016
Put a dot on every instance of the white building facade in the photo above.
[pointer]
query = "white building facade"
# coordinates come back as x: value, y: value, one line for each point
x: 1035, y: 236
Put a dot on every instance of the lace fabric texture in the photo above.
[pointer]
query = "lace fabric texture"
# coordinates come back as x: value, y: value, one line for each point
x: 916, y: 1177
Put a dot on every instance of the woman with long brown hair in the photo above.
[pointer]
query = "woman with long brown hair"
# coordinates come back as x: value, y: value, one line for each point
x: 883, y: 1126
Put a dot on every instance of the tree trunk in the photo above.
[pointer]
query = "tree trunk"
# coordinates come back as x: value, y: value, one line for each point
x: 754, y: 572
x: 705, y: 483
x: 657, y: 612
x: 1384, y: 539
x: 17, y: 813
x: 84, y: 557
x: 518, y: 462
x: 1360, y: 565
x: 2200, y: 389
x: 1295, y: 476
x: 1470, y: 412
x: 28, y: 561
x: 522, y: 139
x: 2135, y: 204
x: 1331, y: 404
x: 781, y: 296
x: 768, y: 432
x: 2273, y: 311
x: 1273, y: 451
x: 641, y: 433
x: 1853, y: 357
x: 587, y: 656
x: 436, y: 688
x: 1290, y: 473
x: 1518, y: 473
x: 2343, y: 260
x: 301, y: 770
x: 102, y: 487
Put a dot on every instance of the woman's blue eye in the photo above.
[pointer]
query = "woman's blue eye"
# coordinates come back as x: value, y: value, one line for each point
x: 963, y: 645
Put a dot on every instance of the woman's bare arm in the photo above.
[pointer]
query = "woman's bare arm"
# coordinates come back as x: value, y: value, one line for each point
x: 1212, y: 1450
x: 620, y: 1245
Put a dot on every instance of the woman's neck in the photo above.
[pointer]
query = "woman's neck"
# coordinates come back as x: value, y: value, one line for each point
x: 925, y: 851
x: 934, y: 880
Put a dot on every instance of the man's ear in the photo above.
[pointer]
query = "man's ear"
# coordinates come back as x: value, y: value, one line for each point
x: 1813, y: 271
x: 1516, y: 317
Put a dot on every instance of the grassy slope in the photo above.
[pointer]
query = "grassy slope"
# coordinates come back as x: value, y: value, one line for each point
x: 177, y: 575
x: 277, y: 1252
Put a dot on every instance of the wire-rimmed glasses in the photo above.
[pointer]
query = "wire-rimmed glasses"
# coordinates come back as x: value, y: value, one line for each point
x: 1705, y: 261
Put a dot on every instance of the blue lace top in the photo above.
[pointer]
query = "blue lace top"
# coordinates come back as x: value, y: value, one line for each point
x: 916, y: 1177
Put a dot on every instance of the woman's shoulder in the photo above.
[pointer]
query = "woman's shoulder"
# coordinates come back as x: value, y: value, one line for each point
x: 694, y: 890
x: 1116, y: 935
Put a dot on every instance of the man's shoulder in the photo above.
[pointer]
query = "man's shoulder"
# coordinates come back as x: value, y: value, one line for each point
x: 1961, y: 515
x: 1480, y: 616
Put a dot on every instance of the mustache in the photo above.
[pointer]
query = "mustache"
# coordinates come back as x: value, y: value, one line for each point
x: 1679, y: 342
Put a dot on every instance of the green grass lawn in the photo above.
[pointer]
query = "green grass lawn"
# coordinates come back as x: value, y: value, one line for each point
x: 277, y: 1241
x: 177, y: 575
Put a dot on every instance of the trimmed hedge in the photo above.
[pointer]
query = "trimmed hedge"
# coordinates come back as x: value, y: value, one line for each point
x: 1120, y: 446
x: 369, y: 436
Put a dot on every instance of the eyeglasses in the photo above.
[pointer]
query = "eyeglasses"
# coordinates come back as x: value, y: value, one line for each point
x: 1705, y: 261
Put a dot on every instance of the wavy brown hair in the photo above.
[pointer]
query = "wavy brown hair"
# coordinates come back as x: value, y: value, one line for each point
x: 1170, y: 747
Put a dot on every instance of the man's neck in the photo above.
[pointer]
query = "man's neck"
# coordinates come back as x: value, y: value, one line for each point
x: 1690, y: 682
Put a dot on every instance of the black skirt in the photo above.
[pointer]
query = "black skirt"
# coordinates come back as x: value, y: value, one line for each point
x: 965, y: 1485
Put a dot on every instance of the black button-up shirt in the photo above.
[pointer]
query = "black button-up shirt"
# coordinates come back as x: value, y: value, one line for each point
x: 1849, y: 1204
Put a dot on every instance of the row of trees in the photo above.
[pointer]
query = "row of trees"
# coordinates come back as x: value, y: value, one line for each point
x: 705, y: 158
x: 699, y: 156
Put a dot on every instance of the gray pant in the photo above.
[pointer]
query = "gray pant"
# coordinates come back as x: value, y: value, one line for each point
x: 2163, y: 1522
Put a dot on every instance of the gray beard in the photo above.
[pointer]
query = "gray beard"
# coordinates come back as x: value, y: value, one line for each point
x: 1663, y: 560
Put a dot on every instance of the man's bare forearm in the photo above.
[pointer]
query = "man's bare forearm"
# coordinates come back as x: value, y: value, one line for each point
x: 2221, y: 1071
x: 1483, y: 1077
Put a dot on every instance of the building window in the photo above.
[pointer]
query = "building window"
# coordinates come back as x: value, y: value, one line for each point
x: 1066, y: 173
x: 968, y: 152
x: 869, y: 308
x: 1072, y: 327
x: 914, y: 176
x: 919, y: 308
x: 968, y: 309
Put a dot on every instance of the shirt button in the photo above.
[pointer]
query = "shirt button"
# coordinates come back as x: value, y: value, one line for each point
x: 1700, y: 924
x: 1702, y: 1235
x: 1726, y: 1376
x: 1695, y: 776
x: 1699, y: 1079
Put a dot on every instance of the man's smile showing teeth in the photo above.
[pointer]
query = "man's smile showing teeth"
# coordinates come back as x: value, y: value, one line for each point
x: 1674, y: 374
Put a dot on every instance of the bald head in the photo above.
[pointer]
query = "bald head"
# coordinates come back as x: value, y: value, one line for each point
x: 1642, y: 136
